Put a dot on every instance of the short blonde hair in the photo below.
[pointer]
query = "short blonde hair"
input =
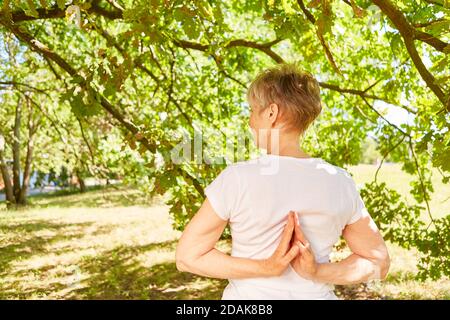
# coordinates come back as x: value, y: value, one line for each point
x: 296, y: 92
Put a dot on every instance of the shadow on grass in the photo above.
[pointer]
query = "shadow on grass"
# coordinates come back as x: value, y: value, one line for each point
x: 357, y: 292
x: 116, y: 275
x: 26, y: 246
x: 401, y: 276
x: 112, y: 274
x: 94, y: 197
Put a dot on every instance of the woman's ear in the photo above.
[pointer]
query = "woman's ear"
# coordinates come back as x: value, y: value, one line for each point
x: 273, y: 112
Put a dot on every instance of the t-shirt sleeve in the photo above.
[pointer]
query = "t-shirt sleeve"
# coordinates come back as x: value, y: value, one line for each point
x: 359, y: 208
x: 223, y: 193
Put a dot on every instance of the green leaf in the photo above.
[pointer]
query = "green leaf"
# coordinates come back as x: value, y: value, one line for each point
x: 77, y: 104
x: 43, y: 3
x: 77, y: 79
x: 31, y: 9
x: 61, y: 4
x: 287, y: 6
x: 110, y: 89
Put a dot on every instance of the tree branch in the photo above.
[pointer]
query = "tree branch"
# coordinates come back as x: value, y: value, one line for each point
x: 436, y: 2
x: 408, y: 34
x: 264, y: 47
x: 86, y: 141
x: 438, y: 44
x: 429, y: 23
x: 43, y: 50
x: 362, y: 94
x: 411, y: 147
x: 15, y: 84
x: 56, y: 127
x: 423, y: 36
x: 55, y: 12
x: 322, y: 40
x: 306, y: 12
x: 385, y: 156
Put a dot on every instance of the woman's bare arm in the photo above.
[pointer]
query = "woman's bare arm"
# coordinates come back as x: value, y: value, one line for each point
x: 196, y: 252
x: 369, y: 259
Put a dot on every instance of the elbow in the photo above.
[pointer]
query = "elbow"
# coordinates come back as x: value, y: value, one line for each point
x: 379, y: 266
x: 180, y: 257
x: 384, y: 264
x: 182, y: 261
x: 385, y: 268
x: 181, y: 265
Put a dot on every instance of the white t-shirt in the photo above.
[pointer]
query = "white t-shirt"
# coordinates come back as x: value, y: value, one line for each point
x: 256, y: 196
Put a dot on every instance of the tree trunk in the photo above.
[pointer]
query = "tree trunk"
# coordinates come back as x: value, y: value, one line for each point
x: 16, y: 152
x: 26, y: 173
x: 32, y: 128
x: 81, y: 182
x: 9, y: 193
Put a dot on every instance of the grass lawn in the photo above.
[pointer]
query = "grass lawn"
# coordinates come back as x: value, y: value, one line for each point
x: 115, y: 243
x: 397, y: 179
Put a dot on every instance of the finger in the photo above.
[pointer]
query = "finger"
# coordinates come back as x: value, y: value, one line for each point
x: 287, y: 234
x: 305, y: 251
x: 298, y: 230
x: 293, y: 236
x: 301, y: 247
x: 294, y: 240
x: 292, y: 253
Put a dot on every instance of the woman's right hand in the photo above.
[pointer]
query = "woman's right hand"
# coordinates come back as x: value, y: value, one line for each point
x: 285, y: 253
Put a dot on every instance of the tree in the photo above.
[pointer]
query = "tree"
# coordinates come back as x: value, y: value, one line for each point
x: 39, y: 134
x: 155, y: 69
x: 23, y: 113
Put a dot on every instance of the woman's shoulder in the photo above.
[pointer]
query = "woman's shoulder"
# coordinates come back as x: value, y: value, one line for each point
x: 242, y: 164
x: 342, y: 174
x: 241, y: 169
x: 336, y: 169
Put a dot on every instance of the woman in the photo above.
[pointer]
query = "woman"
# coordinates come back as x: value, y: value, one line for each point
x: 286, y: 209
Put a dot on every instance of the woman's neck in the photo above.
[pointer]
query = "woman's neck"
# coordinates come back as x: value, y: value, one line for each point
x: 287, y: 147
x: 291, y: 153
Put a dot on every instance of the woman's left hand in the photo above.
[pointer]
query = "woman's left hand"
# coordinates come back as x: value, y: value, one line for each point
x: 305, y: 263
